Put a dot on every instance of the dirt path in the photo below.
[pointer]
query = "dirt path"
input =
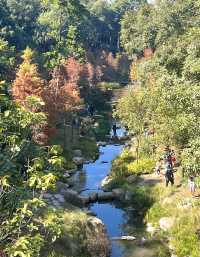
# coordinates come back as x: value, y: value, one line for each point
x: 150, y: 179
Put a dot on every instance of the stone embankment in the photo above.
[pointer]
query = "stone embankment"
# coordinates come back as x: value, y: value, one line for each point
x: 64, y: 195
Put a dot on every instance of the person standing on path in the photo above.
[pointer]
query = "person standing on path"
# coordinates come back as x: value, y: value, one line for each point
x: 91, y: 110
x: 114, y: 128
x: 169, y: 175
x: 191, y: 184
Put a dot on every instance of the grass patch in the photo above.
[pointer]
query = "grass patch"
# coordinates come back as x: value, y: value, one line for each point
x: 174, y: 202
x: 126, y: 165
x: 186, y: 234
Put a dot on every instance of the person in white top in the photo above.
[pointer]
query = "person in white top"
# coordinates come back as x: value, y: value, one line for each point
x: 191, y: 184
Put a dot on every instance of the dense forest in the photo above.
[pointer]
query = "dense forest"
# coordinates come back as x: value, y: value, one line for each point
x: 59, y: 58
x: 53, y: 54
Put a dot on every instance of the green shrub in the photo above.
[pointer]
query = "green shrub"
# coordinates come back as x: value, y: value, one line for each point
x: 88, y: 147
x: 119, y: 165
x: 143, y: 166
x: 156, y: 212
x: 146, y: 147
x: 140, y: 197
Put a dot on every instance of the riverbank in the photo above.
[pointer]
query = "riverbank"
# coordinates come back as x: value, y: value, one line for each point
x: 170, y: 215
x: 83, y: 235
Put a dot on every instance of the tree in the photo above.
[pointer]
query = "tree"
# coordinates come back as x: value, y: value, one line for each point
x: 28, y: 81
x: 74, y: 47
x: 132, y: 110
x: 23, y: 15
x: 122, y: 6
x: 138, y: 30
x: 151, y: 26
x: 7, y: 60
x: 27, y: 170
x: 62, y: 93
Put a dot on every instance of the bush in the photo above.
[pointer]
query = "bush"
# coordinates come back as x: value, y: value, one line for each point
x: 88, y: 147
x: 156, y: 212
x: 141, y: 198
x: 143, y: 166
x: 119, y: 165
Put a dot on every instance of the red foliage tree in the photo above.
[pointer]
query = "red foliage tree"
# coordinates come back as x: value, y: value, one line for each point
x: 62, y: 93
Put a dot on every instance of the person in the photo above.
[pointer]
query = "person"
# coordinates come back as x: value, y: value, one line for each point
x: 169, y: 156
x: 114, y: 128
x: 158, y: 166
x: 191, y: 184
x: 91, y: 110
x: 169, y: 175
x: 146, y: 132
x: 76, y: 122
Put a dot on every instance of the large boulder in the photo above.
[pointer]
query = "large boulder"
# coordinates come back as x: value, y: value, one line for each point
x: 106, y: 196
x: 101, y: 143
x: 56, y: 204
x: 60, y: 186
x: 70, y: 195
x: 98, y: 243
x: 118, y: 193
x: 60, y: 198
x: 124, y: 138
x: 78, y: 160
x: 131, y: 179
x: 74, y: 198
x: 82, y: 200
x: 72, y: 171
x: 47, y: 196
x: 93, y: 197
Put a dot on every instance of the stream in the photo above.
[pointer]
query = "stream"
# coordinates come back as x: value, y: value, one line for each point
x: 118, y: 220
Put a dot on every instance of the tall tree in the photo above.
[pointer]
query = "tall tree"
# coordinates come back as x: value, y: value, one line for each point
x: 7, y: 60
x: 23, y: 14
x: 28, y: 81
x: 62, y: 93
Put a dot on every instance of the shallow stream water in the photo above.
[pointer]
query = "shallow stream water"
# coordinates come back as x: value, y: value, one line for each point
x: 118, y: 220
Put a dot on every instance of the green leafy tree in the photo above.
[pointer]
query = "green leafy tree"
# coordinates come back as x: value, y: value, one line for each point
x: 7, y: 60
x: 23, y: 15
x: 132, y: 111
x: 27, y: 170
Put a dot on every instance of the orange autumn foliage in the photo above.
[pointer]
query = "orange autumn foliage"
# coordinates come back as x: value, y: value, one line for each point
x: 70, y: 82
x: 62, y: 93
x: 28, y: 81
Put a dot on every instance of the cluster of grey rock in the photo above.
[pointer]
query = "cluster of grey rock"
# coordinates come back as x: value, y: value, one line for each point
x: 63, y: 195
